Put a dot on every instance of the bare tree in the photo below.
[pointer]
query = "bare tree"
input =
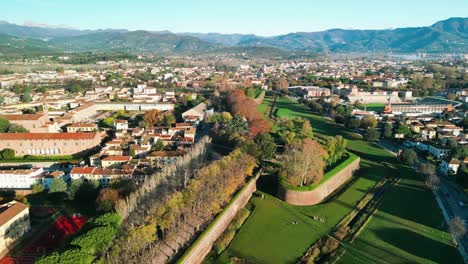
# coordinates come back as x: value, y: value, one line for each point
x: 457, y: 227
x: 432, y: 181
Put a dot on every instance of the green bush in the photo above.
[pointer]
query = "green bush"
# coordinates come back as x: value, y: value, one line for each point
x: 71, y: 256
x: 7, y: 154
x: 239, y: 219
x: 96, y: 240
x: 109, y: 219
x: 223, y: 241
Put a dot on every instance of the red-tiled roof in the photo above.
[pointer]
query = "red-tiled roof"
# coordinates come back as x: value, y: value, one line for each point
x: 47, y: 136
x: 10, y: 210
x: 22, y: 117
x: 117, y: 158
x: 82, y: 170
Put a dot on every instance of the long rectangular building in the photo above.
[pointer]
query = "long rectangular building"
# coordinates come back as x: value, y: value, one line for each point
x: 417, y: 108
x: 49, y: 143
x: 21, y: 179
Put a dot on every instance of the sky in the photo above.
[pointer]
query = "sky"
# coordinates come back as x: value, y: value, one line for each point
x: 261, y: 17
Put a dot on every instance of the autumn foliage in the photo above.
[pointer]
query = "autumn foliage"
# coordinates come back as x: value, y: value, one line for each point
x: 241, y: 105
x: 151, y: 117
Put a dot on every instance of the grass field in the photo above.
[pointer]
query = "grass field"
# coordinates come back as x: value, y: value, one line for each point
x: 407, y: 228
x: 268, y: 236
x: 377, y: 107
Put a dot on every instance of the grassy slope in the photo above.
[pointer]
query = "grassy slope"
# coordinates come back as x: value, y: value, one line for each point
x: 268, y: 235
x: 407, y: 228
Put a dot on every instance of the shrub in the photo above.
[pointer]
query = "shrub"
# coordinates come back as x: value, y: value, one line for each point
x: 239, y: 219
x: 7, y: 154
x: 223, y: 241
x: 95, y: 240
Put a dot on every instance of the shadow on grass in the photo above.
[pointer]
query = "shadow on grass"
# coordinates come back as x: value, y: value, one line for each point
x: 415, y: 244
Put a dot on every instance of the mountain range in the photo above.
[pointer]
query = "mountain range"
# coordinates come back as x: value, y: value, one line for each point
x: 449, y: 35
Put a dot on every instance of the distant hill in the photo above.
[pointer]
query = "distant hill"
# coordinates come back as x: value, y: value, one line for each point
x: 449, y: 35
x: 224, y: 39
x: 44, y: 33
x: 15, y: 45
x: 133, y: 42
x: 445, y: 36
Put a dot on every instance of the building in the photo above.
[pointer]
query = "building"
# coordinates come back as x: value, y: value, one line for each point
x: 14, y: 222
x: 103, y: 175
x: 195, y: 114
x: 50, y: 177
x: 435, y: 150
x: 417, y: 108
x: 115, y: 161
x: 21, y: 179
x: 49, y: 143
x: 449, y: 167
x: 38, y: 122
x: 311, y: 91
x: 82, y: 127
x: 113, y: 106
x: 120, y: 124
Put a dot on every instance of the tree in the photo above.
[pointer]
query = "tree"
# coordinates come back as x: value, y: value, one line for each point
x: 106, y: 199
x: 427, y: 169
x: 457, y: 227
x: 58, y: 186
x: 26, y: 97
x: 4, y: 125
x: 283, y: 84
x: 451, y: 96
x: 2, y: 99
x: 387, y: 130
x: 353, y: 123
x: 159, y: 145
x: 403, y: 129
x: 151, y: 117
x: 372, y: 134
x: 368, y: 122
x: 37, y: 188
x: 124, y: 186
x: 14, y: 128
x: 432, y: 181
x: 168, y: 120
x: 7, y: 154
x: 408, y: 156
x: 267, y: 146
x: 73, y: 189
x: 303, y: 163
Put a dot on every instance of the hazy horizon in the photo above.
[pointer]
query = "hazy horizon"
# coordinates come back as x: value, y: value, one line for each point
x: 243, y: 17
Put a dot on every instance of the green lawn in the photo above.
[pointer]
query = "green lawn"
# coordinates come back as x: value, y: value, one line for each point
x: 407, y: 228
x: 268, y: 236
x: 377, y: 107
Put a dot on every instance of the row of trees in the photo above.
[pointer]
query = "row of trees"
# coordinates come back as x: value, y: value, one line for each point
x: 240, y: 104
x: 203, y: 197
x: 166, y: 179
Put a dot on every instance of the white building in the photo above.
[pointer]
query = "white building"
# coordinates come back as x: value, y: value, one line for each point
x: 449, y: 167
x: 20, y: 179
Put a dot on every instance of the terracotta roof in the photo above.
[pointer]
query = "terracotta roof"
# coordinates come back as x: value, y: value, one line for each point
x: 10, y: 210
x: 82, y: 170
x: 47, y: 136
x: 117, y: 158
x: 22, y: 117
x: 82, y: 125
